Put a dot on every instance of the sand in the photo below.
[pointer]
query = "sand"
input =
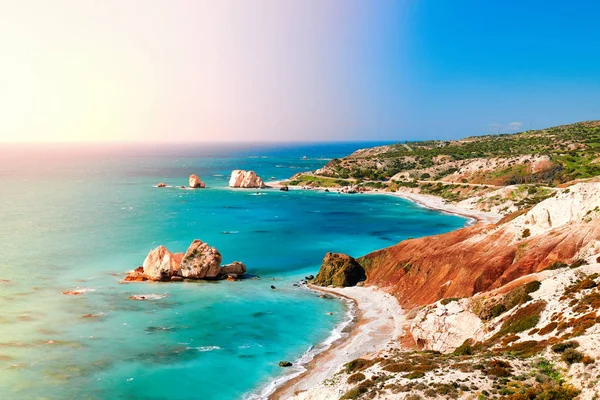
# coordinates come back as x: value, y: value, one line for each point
x: 377, y: 324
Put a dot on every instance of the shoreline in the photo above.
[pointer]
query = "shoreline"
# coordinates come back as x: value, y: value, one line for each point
x: 424, y: 200
x: 378, y: 320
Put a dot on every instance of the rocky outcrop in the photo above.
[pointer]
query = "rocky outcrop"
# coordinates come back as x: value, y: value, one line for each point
x: 236, y: 268
x: 200, y: 261
x: 245, y: 179
x: 484, y: 257
x: 339, y: 270
x: 161, y: 264
x: 161, y: 185
x: 444, y: 327
x: 195, y: 182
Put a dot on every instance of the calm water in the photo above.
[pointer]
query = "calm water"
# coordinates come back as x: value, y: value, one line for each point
x: 79, y: 217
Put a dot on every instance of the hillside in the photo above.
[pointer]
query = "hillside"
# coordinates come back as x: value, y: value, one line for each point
x: 505, y: 310
x: 492, y: 173
x: 549, y: 156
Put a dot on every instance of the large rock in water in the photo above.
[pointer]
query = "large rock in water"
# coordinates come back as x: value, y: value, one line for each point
x: 245, y: 179
x: 339, y: 270
x: 161, y: 264
x: 200, y: 261
x: 235, y: 267
x: 195, y: 182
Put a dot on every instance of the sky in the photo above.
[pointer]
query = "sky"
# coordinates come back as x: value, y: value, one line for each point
x: 293, y: 70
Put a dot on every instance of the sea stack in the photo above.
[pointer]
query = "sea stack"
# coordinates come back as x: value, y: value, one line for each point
x: 195, y: 182
x: 200, y: 261
x: 245, y: 179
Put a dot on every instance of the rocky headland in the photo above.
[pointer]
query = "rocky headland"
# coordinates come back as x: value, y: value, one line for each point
x: 200, y: 261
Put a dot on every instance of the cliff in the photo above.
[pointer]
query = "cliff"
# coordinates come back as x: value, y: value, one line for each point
x: 484, y: 257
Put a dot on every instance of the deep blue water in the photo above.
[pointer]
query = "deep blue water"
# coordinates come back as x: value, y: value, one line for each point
x: 78, y: 217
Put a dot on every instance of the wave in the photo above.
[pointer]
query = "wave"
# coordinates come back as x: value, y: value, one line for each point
x: 299, y: 365
x: 204, y: 348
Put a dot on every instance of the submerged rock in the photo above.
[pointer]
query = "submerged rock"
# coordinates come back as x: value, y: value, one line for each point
x: 285, y: 364
x: 200, y: 261
x: 339, y: 270
x: 195, y: 182
x: 245, y: 179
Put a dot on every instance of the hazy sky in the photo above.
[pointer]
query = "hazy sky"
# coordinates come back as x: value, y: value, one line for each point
x: 180, y: 70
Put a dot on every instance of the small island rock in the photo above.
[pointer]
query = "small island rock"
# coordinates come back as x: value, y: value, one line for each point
x: 195, y: 182
x: 161, y: 185
x: 245, y: 179
x: 285, y: 364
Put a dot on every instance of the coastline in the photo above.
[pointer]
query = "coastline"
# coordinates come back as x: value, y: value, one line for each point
x: 377, y: 321
x: 424, y: 200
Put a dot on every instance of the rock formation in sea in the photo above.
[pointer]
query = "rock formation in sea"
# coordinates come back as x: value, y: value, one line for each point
x: 161, y: 185
x: 245, y: 179
x: 339, y: 270
x: 161, y: 264
x: 195, y: 182
x: 200, y: 261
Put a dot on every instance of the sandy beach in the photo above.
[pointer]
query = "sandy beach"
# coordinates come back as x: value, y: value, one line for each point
x: 378, y: 321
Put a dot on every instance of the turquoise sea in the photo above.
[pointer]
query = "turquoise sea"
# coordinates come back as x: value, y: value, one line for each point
x: 80, y: 216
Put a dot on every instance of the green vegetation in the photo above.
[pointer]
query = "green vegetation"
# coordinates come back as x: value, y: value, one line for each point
x: 495, y: 307
x: 309, y: 180
x: 572, y: 152
x: 523, y: 319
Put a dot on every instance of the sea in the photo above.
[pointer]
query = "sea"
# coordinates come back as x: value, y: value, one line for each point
x: 79, y: 216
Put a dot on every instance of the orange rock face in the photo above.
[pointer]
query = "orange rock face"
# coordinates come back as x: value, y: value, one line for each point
x: 470, y: 260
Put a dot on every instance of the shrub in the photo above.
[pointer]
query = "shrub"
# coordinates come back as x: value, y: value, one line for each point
x: 547, y: 329
x: 357, y: 365
x: 578, y: 263
x: 355, y: 378
x: 561, y: 347
x: 523, y: 319
x: 448, y: 300
x: 526, y: 233
x: 572, y: 356
x: 556, y: 265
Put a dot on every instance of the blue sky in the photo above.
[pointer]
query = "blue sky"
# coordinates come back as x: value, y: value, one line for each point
x: 294, y: 70
x: 474, y: 64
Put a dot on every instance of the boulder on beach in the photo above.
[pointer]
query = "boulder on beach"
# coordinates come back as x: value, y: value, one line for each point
x: 235, y: 267
x: 339, y: 270
x: 284, y: 188
x: 200, y: 261
x: 245, y: 179
x: 195, y: 182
